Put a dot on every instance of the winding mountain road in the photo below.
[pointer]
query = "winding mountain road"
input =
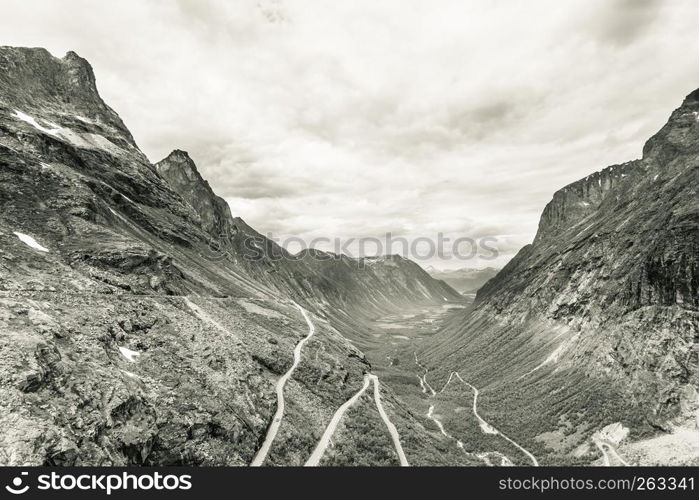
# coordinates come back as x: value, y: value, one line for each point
x: 606, y: 462
x: 391, y: 428
x: 324, y: 442
x: 489, y: 428
x: 423, y: 379
x: 609, y: 451
x: 319, y: 451
x: 277, y: 420
x: 438, y: 423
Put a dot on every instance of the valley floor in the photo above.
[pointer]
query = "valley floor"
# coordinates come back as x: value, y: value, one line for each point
x: 455, y: 417
x: 446, y: 408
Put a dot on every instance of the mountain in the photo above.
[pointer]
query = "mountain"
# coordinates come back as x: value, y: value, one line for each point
x: 314, y: 277
x: 596, y: 321
x: 464, y: 280
x: 142, y: 324
x: 182, y: 175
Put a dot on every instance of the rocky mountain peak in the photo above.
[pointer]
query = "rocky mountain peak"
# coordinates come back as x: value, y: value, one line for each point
x: 179, y: 163
x: 60, y: 91
x: 679, y: 136
x: 180, y: 155
x: 183, y: 177
x: 692, y: 98
x: 33, y: 74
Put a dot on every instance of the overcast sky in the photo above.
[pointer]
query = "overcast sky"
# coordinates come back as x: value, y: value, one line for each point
x: 320, y: 118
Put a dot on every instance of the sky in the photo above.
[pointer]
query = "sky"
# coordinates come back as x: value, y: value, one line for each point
x: 348, y: 120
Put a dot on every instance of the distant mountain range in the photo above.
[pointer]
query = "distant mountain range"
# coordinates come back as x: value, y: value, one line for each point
x: 464, y: 280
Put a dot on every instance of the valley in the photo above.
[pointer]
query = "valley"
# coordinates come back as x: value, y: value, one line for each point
x: 447, y: 409
x: 142, y: 323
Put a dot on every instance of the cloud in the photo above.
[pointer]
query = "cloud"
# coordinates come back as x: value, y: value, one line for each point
x: 620, y: 22
x: 351, y: 119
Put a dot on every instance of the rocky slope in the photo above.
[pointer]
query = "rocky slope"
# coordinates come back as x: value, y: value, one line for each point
x: 124, y: 338
x: 602, y: 308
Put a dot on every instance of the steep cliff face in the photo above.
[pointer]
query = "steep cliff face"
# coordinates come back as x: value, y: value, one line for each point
x: 608, y: 291
x: 124, y: 338
x: 624, y: 237
x: 582, y: 198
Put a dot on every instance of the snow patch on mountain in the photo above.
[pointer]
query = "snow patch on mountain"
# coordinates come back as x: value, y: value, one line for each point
x: 129, y: 354
x: 32, y: 121
x: 29, y: 241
